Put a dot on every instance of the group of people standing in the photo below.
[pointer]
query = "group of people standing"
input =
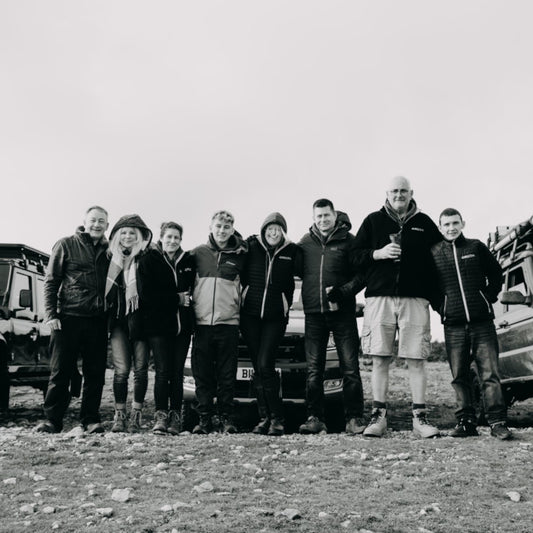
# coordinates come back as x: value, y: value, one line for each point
x: 154, y: 297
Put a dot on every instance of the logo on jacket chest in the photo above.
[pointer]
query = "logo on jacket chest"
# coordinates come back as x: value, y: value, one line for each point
x: 414, y: 228
x: 468, y: 256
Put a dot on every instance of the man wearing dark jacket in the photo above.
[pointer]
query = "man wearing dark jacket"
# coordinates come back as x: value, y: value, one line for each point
x: 329, y: 285
x: 393, y: 246
x: 470, y: 279
x: 74, y: 304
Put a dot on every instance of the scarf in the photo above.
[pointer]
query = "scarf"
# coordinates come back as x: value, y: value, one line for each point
x: 412, y: 210
x: 122, y: 268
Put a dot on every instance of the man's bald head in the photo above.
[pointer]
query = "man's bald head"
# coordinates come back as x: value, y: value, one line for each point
x: 399, y: 194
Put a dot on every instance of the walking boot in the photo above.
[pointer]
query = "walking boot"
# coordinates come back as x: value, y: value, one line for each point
x: 174, y: 422
x: 262, y: 427
x: 119, y: 421
x: 160, y: 424
x: 276, y: 428
x: 135, y: 421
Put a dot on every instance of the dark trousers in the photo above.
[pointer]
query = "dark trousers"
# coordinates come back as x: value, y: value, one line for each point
x: 344, y: 328
x: 214, y: 367
x: 475, y: 342
x: 170, y: 353
x: 263, y: 338
x: 78, y: 336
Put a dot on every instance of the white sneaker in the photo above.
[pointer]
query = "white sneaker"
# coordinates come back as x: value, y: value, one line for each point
x: 421, y: 427
x: 378, y: 423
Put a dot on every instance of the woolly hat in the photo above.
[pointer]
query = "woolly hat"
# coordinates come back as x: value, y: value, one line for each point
x: 132, y: 221
x: 275, y: 218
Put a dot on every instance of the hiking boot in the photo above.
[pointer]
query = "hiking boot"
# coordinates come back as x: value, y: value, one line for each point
x: 378, y: 423
x: 313, y: 425
x: 262, y: 427
x: 204, y: 426
x: 421, y: 427
x: 160, y: 423
x: 94, y: 427
x: 119, y: 421
x: 227, y: 425
x: 355, y: 426
x: 464, y: 428
x: 500, y: 431
x: 46, y: 427
x: 276, y: 428
x: 216, y: 424
x: 174, y: 422
x: 135, y: 421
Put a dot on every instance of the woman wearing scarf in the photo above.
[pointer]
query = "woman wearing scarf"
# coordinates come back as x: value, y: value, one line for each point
x: 128, y: 239
x: 268, y: 283
x: 166, y: 275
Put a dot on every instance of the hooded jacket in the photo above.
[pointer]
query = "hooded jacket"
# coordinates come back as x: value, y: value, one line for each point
x: 329, y: 262
x: 75, y: 277
x: 414, y: 274
x: 217, y: 286
x: 268, y: 276
x: 160, y: 281
x: 470, y: 279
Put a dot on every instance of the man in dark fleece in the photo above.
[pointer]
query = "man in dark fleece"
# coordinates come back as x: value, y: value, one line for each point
x: 329, y: 285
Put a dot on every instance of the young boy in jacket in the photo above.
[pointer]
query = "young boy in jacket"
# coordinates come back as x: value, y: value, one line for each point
x: 470, y: 279
x: 216, y: 302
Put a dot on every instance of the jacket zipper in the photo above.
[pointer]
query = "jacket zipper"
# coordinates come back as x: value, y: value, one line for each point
x: 268, y: 274
x: 463, y: 297
x: 173, y: 268
x: 485, y: 300
x: 219, y: 256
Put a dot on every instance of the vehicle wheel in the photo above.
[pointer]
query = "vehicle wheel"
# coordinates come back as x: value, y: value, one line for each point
x: 189, y: 417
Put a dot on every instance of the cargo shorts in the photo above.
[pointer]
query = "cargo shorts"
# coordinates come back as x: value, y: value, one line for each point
x: 386, y: 315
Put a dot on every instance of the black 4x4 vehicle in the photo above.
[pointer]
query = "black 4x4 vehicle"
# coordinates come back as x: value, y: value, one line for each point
x: 513, y: 247
x: 24, y: 336
x: 292, y: 367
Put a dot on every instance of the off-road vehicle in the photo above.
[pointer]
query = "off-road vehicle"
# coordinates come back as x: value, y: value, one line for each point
x: 513, y: 247
x: 24, y: 336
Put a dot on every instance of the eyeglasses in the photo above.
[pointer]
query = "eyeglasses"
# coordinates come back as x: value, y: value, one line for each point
x: 400, y: 191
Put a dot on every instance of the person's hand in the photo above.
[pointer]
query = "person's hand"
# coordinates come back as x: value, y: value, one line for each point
x: 184, y: 298
x: 389, y: 251
x: 54, y: 324
x: 334, y: 295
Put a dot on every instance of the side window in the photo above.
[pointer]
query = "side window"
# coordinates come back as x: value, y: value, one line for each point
x: 21, y: 282
x: 517, y: 282
x: 40, y: 298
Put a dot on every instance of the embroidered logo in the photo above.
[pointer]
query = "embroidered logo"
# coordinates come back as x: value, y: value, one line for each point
x: 414, y: 228
x: 468, y: 256
x: 230, y: 263
x: 285, y: 257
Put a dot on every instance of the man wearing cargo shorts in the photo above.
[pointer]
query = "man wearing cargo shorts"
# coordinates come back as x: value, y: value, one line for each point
x: 394, y: 244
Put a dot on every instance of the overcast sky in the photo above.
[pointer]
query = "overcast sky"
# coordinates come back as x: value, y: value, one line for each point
x: 174, y: 109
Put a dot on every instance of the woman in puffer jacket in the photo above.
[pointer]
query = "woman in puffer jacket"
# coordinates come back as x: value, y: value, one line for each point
x: 128, y: 240
x: 268, y: 287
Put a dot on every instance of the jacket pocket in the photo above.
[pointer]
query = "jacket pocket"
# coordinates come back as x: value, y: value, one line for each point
x: 484, y: 298
x: 243, y: 294
x: 365, y: 341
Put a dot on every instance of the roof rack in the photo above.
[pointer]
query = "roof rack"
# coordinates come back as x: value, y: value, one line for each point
x: 507, y: 241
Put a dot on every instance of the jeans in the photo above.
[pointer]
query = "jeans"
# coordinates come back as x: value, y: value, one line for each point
x: 214, y: 367
x: 344, y: 328
x: 263, y: 338
x: 170, y: 353
x: 475, y: 342
x: 85, y: 336
x: 125, y: 352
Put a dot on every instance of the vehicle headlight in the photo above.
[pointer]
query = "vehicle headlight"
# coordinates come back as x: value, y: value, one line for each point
x: 332, y: 384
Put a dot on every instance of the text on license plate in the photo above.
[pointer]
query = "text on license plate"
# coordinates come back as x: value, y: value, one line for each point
x: 245, y: 373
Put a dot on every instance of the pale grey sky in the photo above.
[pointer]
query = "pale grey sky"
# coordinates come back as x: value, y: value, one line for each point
x: 174, y: 109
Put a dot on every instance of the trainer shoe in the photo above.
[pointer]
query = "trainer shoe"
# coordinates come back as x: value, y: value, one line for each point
x: 276, y: 428
x: 119, y: 421
x: 464, y: 428
x: 160, y: 423
x: 262, y: 427
x: 94, y: 427
x: 378, y: 423
x: 500, y: 431
x: 355, y: 426
x: 46, y: 426
x: 203, y: 427
x: 174, y: 422
x: 135, y: 421
x: 227, y: 425
x: 421, y: 427
x: 313, y: 425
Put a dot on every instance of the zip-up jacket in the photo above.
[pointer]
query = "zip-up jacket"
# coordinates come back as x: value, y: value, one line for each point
x: 268, y: 279
x: 75, y: 277
x: 328, y: 262
x: 470, y: 279
x: 217, y: 286
x: 160, y: 281
x: 414, y: 274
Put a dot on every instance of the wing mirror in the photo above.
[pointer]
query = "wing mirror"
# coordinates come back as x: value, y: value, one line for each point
x: 515, y: 297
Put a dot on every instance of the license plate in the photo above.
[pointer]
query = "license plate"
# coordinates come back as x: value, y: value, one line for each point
x: 245, y: 373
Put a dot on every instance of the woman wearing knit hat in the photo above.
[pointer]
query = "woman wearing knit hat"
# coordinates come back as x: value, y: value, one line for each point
x: 128, y: 239
x: 268, y: 283
x: 166, y: 274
